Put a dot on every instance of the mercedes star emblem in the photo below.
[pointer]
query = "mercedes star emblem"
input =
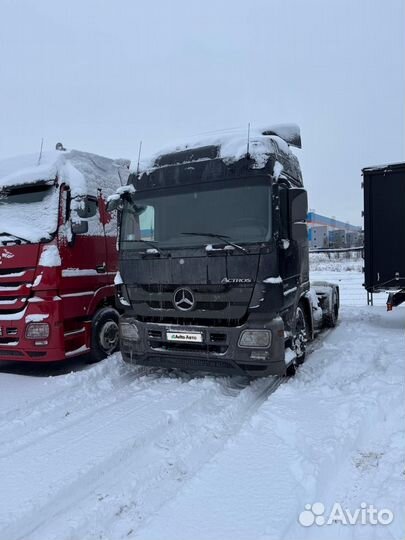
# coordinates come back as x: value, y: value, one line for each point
x: 183, y: 299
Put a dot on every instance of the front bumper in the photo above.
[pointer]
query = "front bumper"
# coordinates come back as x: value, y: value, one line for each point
x: 14, y: 346
x: 219, y: 351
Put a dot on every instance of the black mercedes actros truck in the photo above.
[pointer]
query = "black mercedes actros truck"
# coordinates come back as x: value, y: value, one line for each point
x: 214, y: 259
x: 384, y: 231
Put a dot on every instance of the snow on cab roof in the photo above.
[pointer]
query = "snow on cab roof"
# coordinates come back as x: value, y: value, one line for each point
x: 82, y: 171
x: 383, y: 167
x: 233, y: 146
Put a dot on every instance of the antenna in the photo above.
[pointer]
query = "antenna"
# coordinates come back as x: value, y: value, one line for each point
x: 139, y: 157
x: 248, y: 143
x: 40, y: 151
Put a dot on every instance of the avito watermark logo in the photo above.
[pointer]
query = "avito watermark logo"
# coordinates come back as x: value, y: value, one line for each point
x: 367, y: 514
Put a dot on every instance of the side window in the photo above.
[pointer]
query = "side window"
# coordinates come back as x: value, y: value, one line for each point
x: 147, y: 223
x: 138, y: 224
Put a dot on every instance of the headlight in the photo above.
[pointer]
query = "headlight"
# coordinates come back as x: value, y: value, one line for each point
x: 37, y: 330
x: 255, y: 339
x: 129, y: 330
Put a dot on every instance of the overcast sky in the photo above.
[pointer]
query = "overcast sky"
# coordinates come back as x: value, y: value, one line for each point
x: 102, y: 75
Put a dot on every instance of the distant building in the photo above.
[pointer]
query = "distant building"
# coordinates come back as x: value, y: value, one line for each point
x: 337, y: 238
x: 318, y: 237
x: 325, y: 232
x: 354, y: 238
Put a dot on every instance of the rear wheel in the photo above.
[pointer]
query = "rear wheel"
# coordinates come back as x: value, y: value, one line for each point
x: 331, y: 318
x: 299, y: 339
x: 104, y: 334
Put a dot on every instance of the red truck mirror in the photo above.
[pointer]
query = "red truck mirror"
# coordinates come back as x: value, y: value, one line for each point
x: 81, y: 227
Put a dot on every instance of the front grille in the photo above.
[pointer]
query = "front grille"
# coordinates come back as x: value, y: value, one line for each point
x: 190, y: 363
x: 222, y: 304
x: 7, y: 352
x: 6, y: 272
x: 194, y: 321
x: 8, y: 340
x: 15, y: 289
x: 13, y: 311
x: 217, y: 338
x: 203, y: 348
x: 155, y: 304
x: 11, y: 331
x: 155, y: 334
x: 36, y: 354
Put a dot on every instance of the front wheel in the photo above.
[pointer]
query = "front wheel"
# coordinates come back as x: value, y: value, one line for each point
x: 299, y: 339
x: 104, y: 334
x: 301, y: 335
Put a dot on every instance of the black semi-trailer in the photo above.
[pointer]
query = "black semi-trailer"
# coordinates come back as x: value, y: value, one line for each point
x: 214, y: 259
x: 384, y: 231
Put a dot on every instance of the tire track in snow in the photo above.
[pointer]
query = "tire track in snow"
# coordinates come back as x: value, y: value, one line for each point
x: 188, y: 424
x: 63, y: 415
x: 73, y: 459
x: 103, y: 374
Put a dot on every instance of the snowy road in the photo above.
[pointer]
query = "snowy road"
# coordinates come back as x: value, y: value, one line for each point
x: 111, y: 453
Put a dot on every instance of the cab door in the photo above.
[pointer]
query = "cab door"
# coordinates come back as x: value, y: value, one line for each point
x: 83, y: 254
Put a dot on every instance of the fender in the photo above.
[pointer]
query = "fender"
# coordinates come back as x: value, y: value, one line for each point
x: 308, y: 310
x: 104, y: 295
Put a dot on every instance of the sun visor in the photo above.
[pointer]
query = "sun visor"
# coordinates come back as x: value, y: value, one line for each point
x: 290, y: 133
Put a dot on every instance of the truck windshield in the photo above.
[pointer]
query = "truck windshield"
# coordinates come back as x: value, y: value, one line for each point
x: 241, y: 214
x: 29, y: 212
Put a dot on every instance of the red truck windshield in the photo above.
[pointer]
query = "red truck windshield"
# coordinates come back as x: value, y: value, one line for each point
x: 25, y: 194
x: 29, y: 212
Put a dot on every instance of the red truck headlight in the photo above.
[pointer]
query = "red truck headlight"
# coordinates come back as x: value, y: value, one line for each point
x: 37, y: 330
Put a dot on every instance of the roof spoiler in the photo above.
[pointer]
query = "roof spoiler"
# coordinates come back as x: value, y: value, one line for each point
x: 290, y: 133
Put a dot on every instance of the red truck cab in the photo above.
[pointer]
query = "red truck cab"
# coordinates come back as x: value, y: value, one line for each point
x: 58, y: 256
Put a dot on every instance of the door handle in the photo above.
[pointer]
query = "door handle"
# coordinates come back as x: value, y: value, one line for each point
x: 101, y: 268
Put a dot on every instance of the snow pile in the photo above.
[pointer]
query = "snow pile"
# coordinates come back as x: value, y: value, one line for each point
x: 50, y: 256
x: 332, y: 262
x: 30, y: 221
x: 27, y: 169
x: 36, y: 317
x: 120, y: 191
x: 233, y: 147
x: 84, y: 173
x: 117, y: 453
x: 334, y: 434
x: 273, y: 280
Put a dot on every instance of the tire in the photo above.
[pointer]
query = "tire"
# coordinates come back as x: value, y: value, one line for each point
x: 299, y: 339
x: 104, y: 334
x: 330, y: 320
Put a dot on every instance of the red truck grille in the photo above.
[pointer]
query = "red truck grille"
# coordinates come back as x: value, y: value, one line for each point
x: 15, y: 289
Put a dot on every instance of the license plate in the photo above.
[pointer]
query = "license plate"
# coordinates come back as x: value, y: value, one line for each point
x: 185, y: 337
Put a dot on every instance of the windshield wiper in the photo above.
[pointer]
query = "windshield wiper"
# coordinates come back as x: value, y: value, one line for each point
x: 222, y: 237
x: 15, y: 236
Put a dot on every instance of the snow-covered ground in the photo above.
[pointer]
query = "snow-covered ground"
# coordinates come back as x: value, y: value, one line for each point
x: 109, y: 452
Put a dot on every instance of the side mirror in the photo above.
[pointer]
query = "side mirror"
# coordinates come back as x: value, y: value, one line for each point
x: 80, y: 228
x: 298, y: 210
x: 299, y: 232
x: 114, y: 204
x: 298, y: 205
